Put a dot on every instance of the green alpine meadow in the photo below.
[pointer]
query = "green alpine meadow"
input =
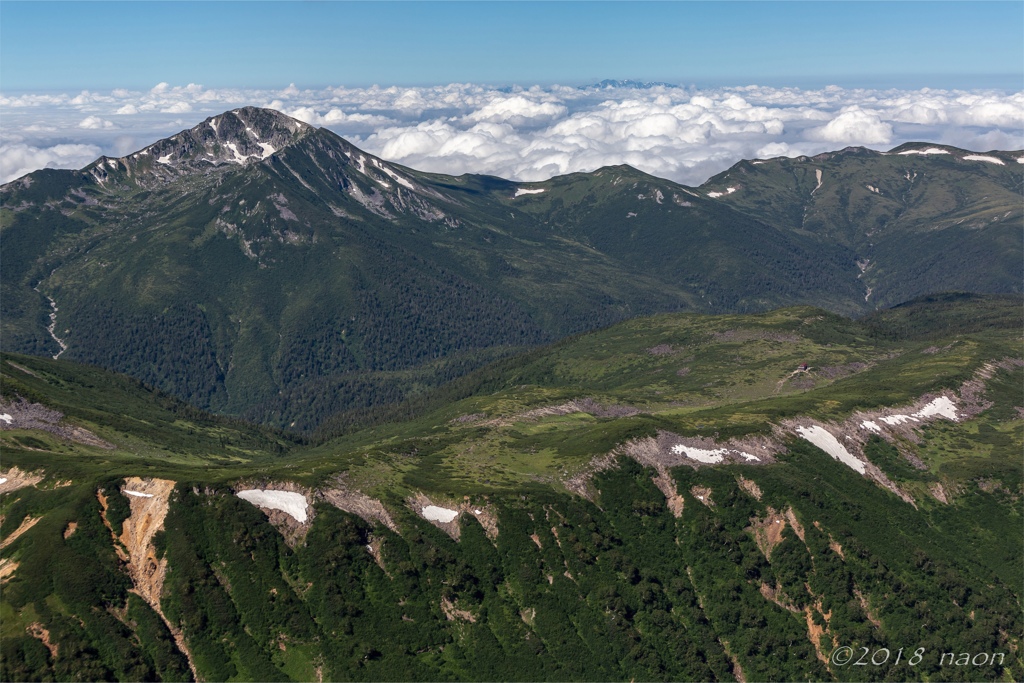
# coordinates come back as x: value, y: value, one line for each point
x: 275, y: 409
x: 650, y: 501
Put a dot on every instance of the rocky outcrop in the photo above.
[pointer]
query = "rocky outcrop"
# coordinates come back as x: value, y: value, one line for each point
x: 149, y: 500
x: 358, y: 503
x: 17, y: 413
x: 14, y: 479
x: 25, y: 525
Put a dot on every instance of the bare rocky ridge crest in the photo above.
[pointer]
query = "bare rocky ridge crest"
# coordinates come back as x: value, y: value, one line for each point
x: 25, y: 415
x: 897, y: 425
x: 238, y: 137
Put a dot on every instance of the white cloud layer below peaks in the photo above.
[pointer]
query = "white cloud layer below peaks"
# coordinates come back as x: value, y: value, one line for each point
x: 526, y: 134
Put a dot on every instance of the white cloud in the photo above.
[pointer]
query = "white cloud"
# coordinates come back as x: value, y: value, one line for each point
x: 532, y: 133
x: 772, y: 150
x: 518, y: 111
x: 19, y: 159
x: 95, y: 123
x: 177, y: 108
x: 332, y: 117
x: 854, y: 126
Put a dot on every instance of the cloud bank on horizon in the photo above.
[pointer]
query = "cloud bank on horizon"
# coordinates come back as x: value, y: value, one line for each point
x: 527, y: 133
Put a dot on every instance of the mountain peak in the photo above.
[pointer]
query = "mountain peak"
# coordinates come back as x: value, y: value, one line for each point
x: 238, y: 137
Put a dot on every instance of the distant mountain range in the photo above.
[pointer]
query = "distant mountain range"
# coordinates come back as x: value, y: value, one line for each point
x: 257, y: 266
x: 631, y: 84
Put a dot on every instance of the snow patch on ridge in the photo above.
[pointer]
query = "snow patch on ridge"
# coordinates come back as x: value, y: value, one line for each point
x: 897, y: 419
x: 941, y: 406
x: 817, y: 174
x: 823, y: 439
x: 239, y: 159
x: 522, y: 190
x: 289, y: 502
x: 982, y: 157
x: 434, y: 513
x: 397, y: 178
x: 701, y: 455
x: 930, y: 150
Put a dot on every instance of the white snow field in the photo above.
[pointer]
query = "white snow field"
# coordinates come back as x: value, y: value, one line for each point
x: 700, y: 454
x: 982, y: 157
x: 930, y: 150
x: 824, y: 440
x: 137, y: 494
x: 397, y: 178
x: 438, y: 514
x: 897, y: 419
x: 289, y: 502
x: 6, y: 418
x: 522, y: 190
x: 941, y: 406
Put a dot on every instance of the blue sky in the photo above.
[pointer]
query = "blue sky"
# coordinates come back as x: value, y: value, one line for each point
x: 491, y: 87
x: 97, y: 45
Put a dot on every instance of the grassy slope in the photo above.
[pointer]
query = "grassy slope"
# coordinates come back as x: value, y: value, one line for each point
x: 272, y: 292
x: 938, y: 220
x: 723, y: 374
x: 650, y: 596
x: 153, y: 433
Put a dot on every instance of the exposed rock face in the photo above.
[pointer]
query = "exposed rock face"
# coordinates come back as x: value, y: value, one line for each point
x: 357, y: 503
x: 37, y: 631
x: 7, y: 569
x: 751, y: 487
x: 445, y: 516
x: 703, y: 495
x: 25, y: 525
x: 14, y: 479
x: 667, y: 485
x: 17, y: 413
x: 149, y: 500
x: 671, y: 450
x: 238, y: 137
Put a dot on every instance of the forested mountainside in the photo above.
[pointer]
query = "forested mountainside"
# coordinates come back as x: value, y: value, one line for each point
x: 684, y: 497
x: 258, y: 267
